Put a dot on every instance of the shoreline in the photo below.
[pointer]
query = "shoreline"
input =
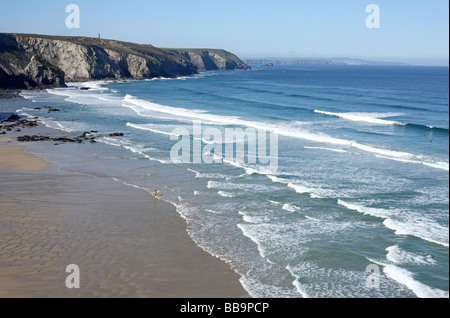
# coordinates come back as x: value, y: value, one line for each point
x: 50, y: 219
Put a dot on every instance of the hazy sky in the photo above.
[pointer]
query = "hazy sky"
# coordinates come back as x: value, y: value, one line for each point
x: 411, y: 31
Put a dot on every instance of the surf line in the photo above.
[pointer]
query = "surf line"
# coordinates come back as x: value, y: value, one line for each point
x: 254, y: 140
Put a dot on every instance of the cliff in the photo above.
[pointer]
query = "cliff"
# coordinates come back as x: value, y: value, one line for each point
x: 29, y: 61
x: 212, y: 59
x: 37, y: 61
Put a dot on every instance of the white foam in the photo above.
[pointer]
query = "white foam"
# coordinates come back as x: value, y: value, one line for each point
x: 248, y: 218
x: 289, y: 207
x: 399, y: 256
x: 327, y: 149
x: 92, y: 85
x: 67, y: 126
x: 214, y: 175
x: 226, y: 194
x: 213, y: 212
x: 149, y: 109
x: 438, y: 165
x: 297, y: 283
x: 406, y: 278
x: 427, y: 230
x: 249, y: 169
x: 312, y: 219
x: 233, y: 186
x: 406, y: 223
x: 373, y: 118
x: 249, y: 234
x: 150, y: 127
x: 135, y: 148
x: 314, y: 281
x: 380, y: 213
x: 314, y: 193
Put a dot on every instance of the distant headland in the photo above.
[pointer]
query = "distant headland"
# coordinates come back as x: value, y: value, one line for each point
x: 316, y: 61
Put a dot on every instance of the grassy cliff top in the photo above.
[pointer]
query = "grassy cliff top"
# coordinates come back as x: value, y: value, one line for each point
x: 222, y: 53
x: 146, y: 51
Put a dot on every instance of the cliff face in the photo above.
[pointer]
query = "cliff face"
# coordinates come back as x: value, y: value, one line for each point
x: 22, y: 69
x: 212, y: 59
x: 28, y: 61
x: 38, y: 61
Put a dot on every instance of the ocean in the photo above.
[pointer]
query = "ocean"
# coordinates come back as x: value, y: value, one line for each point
x: 354, y: 201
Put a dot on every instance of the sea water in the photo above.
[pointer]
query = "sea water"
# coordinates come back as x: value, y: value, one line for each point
x: 358, y: 205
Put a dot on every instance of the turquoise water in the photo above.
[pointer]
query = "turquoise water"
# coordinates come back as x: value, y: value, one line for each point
x: 361, y: 176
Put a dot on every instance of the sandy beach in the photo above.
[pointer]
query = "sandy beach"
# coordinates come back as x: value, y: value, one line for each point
x: 126, y: 243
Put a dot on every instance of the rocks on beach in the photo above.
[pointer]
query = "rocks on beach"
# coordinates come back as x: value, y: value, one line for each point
x: 46, y: 138
x: 48, y: 108
x: 16, y: 122
x: 116, y: 135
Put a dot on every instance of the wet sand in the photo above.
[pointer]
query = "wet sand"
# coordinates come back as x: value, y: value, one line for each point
x: 15, y: 158
x: 126, y: 243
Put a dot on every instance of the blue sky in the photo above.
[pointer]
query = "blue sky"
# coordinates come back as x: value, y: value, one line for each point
x: 412, y: 31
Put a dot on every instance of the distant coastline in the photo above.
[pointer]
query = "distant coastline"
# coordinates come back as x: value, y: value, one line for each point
x: 318, y: 61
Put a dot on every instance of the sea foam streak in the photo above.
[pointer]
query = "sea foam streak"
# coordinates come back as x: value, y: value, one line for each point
x: 314, y: 193
x: 135, y: 148
x: 405, y: 223
x: 151, y: 128
x: 149, y: 109
x: 327, y: 149
x: 406, y: 278
x: 373, y: 118
x: 397, y: 255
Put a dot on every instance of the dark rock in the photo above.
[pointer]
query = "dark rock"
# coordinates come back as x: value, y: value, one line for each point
x: 12, y: 118
x: 84, y: 135
x: 85, y: 88
x: 37, y: 108
x: 53, y: 110
x: 116, y: 135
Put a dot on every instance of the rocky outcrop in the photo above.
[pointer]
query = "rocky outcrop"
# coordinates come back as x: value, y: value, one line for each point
x: 28, y: 61
x: 212, y: 59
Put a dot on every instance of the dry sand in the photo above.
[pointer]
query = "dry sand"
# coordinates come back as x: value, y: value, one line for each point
x: 125, y: 243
